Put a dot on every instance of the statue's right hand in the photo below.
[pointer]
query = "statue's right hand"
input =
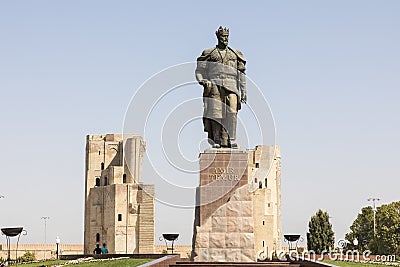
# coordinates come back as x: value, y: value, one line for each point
x: 206, y: 83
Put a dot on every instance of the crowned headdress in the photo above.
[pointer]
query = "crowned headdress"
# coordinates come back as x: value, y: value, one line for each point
x: 222, y: 31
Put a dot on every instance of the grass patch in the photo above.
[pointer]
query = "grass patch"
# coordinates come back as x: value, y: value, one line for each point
x: 45, y: 263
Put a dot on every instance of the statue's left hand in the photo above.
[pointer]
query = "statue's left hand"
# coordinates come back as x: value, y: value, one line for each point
x: 243, y: 98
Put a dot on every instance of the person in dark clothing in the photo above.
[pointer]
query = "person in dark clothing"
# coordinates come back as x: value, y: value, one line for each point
x: 97, y: 250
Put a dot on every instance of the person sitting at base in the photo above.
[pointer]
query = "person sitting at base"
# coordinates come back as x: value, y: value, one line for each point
x: 104, y: 249
x: 97, y: 250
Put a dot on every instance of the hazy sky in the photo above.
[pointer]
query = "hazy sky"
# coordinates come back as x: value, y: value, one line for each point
x: 329, y: 70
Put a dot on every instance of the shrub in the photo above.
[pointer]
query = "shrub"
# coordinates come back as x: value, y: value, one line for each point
x: 27, y: 257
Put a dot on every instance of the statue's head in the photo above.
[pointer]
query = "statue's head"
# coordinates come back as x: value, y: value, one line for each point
x: 222, y: 35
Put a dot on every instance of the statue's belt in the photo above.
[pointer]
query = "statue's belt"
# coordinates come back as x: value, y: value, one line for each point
x: 223, y: 76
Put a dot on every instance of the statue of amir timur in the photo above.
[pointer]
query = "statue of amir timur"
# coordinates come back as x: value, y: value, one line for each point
x: 221, y: 72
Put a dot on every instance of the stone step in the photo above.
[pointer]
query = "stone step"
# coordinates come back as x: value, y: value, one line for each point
x: 300, y: 263
x: 235, y: 264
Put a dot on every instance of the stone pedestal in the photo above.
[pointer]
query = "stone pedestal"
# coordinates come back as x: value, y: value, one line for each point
x: 224, y: 224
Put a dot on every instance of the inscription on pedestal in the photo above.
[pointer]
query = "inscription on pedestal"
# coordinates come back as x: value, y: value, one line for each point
x: 225, y: 174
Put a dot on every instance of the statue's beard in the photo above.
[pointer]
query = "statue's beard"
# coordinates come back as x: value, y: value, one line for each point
x: 223, y: 44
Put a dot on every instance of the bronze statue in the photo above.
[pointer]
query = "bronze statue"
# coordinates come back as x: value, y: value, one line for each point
x: 221, y: 72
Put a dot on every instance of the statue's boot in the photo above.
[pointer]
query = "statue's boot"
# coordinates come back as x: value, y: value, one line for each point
x: 224, y: 134
x: 210, y: 138
x: 216, y: 129
x: 231, y: 118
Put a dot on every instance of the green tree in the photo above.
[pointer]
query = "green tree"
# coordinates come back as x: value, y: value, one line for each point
x: 362, y: 229
x: 387, y: 238
x: 320, y: 235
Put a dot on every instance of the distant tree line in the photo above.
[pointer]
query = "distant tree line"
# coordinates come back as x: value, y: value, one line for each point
x: 385, y: 240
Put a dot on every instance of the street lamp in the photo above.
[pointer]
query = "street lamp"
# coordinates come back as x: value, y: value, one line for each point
x: 374, y: 199
x: 57, y: 243
x: 45, y: 218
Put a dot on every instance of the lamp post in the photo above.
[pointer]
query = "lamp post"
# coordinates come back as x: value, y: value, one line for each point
x: 57, y: 243
x: 374, y: 199
x: 45, y: 218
